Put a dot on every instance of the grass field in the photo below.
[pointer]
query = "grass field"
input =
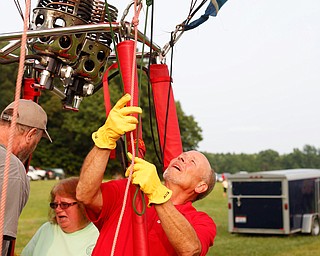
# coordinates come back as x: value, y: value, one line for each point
x: 226, y: 244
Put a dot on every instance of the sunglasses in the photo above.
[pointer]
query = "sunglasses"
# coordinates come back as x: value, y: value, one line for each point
x: 62, y: 205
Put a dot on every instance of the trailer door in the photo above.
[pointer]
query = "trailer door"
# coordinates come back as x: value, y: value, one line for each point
x: 257, y: 204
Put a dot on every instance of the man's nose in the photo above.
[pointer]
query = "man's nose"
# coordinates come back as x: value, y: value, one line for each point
x: 182, y: 158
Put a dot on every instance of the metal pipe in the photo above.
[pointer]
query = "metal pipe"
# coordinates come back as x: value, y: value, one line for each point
x: 58, y: 93
x: 101, y: 27
x: 9, y: 48
x: 90, y: 28
x: 147, y: 41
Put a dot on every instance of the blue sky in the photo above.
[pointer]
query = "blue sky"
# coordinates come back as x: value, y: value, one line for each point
x: 250, y: 76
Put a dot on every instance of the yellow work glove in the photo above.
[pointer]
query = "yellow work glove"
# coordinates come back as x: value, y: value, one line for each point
x: 145, y: 175
x: 118, y: 123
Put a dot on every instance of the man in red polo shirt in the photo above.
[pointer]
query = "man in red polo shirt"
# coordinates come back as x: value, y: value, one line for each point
x: 174, y: 226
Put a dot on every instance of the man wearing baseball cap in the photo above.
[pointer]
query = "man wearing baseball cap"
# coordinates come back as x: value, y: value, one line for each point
x: 31, y: 126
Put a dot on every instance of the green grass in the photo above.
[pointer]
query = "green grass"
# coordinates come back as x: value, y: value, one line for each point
x: 226, y: 244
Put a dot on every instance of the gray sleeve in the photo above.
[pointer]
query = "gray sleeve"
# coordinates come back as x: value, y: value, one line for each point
x: 17, y: 195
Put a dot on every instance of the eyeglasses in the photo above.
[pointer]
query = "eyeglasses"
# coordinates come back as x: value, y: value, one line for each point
x: 62, y: 205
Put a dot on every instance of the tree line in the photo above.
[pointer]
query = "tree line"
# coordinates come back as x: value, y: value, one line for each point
x: 308, y: 157
x: 71, y: 134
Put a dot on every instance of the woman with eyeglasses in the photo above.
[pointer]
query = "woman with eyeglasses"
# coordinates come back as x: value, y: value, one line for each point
x: 68, y: 231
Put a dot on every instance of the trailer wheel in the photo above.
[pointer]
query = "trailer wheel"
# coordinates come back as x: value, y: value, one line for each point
x: 315, y: 229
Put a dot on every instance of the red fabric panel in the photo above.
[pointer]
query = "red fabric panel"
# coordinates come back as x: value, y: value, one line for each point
x: 169, y: 132
x: 125, y: 53
x: 106, y: 94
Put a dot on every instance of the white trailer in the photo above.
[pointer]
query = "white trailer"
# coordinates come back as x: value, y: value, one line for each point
x: 275, y: 202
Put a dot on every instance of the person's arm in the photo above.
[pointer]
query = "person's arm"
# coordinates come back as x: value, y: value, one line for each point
x: 179, y: 231
x: 91, y: 176
x: 119, y: 122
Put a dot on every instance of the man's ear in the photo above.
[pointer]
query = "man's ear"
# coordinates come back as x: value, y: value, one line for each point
x: 30, y: 134
x: 201, y: 187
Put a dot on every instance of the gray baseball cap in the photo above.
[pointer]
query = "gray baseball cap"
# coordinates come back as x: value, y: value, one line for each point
x: 29, y: 114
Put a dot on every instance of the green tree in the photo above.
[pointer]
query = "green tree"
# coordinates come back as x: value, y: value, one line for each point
x: 309, y: 157
x: 268, y: 160
x: 7, y: 84
x: 189, y: 130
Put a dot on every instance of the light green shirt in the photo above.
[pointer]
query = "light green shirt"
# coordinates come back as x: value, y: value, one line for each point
x: 50, y: 240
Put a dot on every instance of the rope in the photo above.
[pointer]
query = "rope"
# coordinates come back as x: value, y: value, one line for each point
x: 14, y: 120
x: 168, y: 104
x: 135, y: 23
x: 151, y: 106
x: 140, y: 213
